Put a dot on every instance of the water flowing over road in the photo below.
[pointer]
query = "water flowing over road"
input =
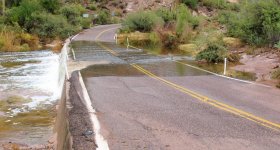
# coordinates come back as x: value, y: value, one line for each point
x: 146, y: 101
x: 28, y: 90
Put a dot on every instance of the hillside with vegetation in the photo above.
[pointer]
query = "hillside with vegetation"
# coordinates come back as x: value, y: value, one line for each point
x: 31, y: 24
x: 208, y: 30
x: 211, y: 30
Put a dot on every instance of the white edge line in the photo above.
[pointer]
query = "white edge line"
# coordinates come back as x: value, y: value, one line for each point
x: 74, y: 36
x: 135, y: 47
x: 99, y: 139
x: 244, y: 81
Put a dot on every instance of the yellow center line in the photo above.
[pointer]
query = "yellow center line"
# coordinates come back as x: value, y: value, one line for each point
x: 98, y: 36
x: 212, y: 102
x: 103, y: 46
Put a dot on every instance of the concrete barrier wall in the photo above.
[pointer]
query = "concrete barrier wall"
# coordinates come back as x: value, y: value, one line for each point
x: 61, y: 128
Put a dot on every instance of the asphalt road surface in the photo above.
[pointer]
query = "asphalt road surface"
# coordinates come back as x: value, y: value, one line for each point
x: 150, y: 102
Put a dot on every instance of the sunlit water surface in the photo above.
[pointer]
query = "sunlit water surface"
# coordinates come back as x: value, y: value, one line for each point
x: 28, y: 91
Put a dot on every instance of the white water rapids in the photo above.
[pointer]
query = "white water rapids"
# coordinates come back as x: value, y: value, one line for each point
x: 36, y: 76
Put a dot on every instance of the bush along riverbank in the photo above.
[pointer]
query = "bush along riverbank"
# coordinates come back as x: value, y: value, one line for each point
x: 33, y: 24
x: 209, y: 30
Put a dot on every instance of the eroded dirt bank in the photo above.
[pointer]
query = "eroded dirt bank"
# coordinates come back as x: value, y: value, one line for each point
x: 262, y: 65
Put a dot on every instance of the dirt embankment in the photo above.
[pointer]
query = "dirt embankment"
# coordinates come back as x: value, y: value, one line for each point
x: 135, y: 5
x: 262, y: 65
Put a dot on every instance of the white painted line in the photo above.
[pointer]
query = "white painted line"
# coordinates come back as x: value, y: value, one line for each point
x: 135, y: 47
x: 99, y: 139
x: 244, y: 81
x: 74, y: 36
x: 74, y: 56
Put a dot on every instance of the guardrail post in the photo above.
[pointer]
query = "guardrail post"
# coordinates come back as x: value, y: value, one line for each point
x: 225, y: 66
x: 127, y: 42
x: 116, y: 38
x: 73, y: 52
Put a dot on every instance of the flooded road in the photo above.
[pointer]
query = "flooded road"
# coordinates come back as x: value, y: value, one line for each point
x: 28, y: 92
x: 153, y: 101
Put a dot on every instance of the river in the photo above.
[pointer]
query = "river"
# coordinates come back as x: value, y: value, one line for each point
x: 29, y: 90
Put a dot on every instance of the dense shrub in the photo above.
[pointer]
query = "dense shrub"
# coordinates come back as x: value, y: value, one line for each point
x: 220, y: 4
x: 49, y: 26
x: 185, y: 19
x: 103, y: 17
x: 86, y: 23
x: 182, y: 17
x: 277, y: 45
x: 257, y: 23
x: 143, y: 21
x: 11, y: 3
x: 72, y: 12
x: 50, y: 5
x: 191, y: 3
x: 166, y: 14
x: 22, y: 13
x: 214, y: 53
x: 92, y: 6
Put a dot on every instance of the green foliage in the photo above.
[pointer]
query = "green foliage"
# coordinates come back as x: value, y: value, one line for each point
x: 22, y: 13
x: 144, y: 21
x: 103, y: 17
x: 185, y: 19
x: 182, y: 17
x: 86, y: 23
x: 214, y: 53
x: 207, y: 36
x: 167, y: 15
x: 154, y: 38
x: 220, y: 4
x: 191, y: 3
x: 92, y: 6
x: 277, y: 45
x: 225, y: 16
x: 50, y: 5
x: 12, y: 3
x: 49, y: 26
x: 72, y: 12
x: 257, y: 23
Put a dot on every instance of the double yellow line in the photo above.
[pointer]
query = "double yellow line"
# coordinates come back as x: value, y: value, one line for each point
x: 212, y: 102
x: 103, y: 46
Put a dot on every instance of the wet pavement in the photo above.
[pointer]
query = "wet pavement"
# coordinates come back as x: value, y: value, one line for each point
x: 139, y: 111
